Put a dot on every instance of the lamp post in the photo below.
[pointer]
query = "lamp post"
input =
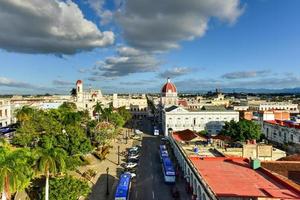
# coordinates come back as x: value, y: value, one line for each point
x: 107, y: 191
x: 118, y: 155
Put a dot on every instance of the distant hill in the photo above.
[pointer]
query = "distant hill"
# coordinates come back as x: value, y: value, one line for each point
x: 249, y: 90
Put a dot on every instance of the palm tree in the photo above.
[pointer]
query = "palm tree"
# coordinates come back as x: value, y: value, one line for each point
x: 50, y: 161
x: 15, y: 171
x: 98, y: 109
x: 24, y: 114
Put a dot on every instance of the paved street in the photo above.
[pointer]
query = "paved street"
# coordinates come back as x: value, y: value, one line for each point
x: 149, y: 183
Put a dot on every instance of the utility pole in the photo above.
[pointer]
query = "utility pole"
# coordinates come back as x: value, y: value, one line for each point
x: 107, y: 191
x: 118, y: 155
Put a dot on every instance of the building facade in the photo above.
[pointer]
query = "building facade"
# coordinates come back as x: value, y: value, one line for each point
x: 5, y: 112
x: 137, y: 105
x: 176, y: 118
x: 168, y: 94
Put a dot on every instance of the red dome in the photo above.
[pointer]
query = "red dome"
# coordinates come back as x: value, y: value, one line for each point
x: 169, y: 87
x: 78, y: 82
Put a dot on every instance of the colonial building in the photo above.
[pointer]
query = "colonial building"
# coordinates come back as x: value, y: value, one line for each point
x: 137, y: 104
x: 85, y: 100
x: 176, y: 118
x: 168, y: 94
x: 5, y: 112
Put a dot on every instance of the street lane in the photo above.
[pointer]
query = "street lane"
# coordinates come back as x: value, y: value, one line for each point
x: 149, y: 183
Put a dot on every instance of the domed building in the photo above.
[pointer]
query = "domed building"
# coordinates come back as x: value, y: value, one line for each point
x: 168, y: 94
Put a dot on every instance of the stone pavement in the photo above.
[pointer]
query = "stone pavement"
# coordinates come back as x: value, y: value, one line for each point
x: 98, y: 183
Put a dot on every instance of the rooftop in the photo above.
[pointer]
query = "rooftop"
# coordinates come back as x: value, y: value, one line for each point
x: 232, y: 177
x: 284, y: 123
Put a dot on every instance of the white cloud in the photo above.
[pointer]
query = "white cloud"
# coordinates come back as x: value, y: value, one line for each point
x: 159, y: 25
x: 48, y: 26
x: 175, y: 72
x: 245, y: 74
x: 127, y: 61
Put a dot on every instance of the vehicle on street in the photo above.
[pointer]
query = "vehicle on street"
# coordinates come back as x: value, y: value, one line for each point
x: 130, y: 165
x: 132, y: 151
x: 133, y: 160
x: 137, y: 131
x: 133, y: 175
x: 155, y: 131
x: 168, y: 170
x: 123, y: 187
x: 135, y: 148
x: 133, y: 156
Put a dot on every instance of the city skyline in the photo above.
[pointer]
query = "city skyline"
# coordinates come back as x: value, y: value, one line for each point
x: 118, y: 47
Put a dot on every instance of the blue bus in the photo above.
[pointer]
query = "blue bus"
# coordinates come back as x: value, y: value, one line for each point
x: 163, y: 151
x: 123, y: 187
x: 168, y: 170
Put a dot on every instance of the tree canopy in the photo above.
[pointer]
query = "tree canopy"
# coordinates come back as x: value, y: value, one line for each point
x: 68, y: 188
x: 242, y: 130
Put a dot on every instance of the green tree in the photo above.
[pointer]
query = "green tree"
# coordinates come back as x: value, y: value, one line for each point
x: 103, y: 132
x: 68, y: 107
x: 68, y: 188
x: 116, y: 119
x: 24, y: 114
x: 15, y: 171
x: 73, y: 92
x: 242, y: 130
x: 52, y: 161
x: 125, y: 114
x: 98, y: 108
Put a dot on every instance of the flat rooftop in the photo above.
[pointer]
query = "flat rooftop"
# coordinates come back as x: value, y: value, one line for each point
x: 233, y: 177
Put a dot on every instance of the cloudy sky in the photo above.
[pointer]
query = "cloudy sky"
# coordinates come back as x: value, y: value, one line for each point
x: 134, y: 45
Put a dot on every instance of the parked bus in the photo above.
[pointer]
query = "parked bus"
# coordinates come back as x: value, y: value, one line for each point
x: 123, y: 187
x: 163, y: 151
x: 168, y: 170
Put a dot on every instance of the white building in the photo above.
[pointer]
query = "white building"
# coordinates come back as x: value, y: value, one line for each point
x: 177, y: 118
x: 5, y: 112
x: 168, y: 94
x: 137, y: 105
x: 293, y: 108
x: 85, y: 100
x: 282, y: 132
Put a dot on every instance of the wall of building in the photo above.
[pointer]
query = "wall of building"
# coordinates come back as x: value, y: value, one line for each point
x: 197, y: 121
x: 5, y: 112
x: 281, y: 134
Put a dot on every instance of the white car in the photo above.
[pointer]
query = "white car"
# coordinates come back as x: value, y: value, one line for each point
x: 130, y: 165
x: 133, y: 175
x: 135, y: 148
x: 137, y: 131
x: 133, y: 156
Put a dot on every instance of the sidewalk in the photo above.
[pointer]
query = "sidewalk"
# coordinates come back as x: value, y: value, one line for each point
x: 98, y: 183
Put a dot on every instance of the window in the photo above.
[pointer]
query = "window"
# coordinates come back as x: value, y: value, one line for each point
x: 279, y: 134
x: 299, y: 139
x: 0, y: 113
x: 292, y: 137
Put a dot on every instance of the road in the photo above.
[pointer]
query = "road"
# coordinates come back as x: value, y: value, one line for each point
x: 149, y: 183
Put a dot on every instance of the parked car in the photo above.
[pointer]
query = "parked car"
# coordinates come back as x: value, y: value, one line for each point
x: 135, y: 148
x: 131, y: 170
x: 130, y: 165
x: 134, y: 152
x: 136, y: 156
x: 133, y: 160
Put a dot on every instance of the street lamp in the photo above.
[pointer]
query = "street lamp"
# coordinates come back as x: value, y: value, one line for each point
x: 118, y: 155
x: 107, y: 191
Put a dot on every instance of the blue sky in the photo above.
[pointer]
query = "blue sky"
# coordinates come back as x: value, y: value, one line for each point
x: 131, y: 46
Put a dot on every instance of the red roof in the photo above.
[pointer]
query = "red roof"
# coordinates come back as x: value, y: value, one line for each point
x: 78, y: 82
x: 286, y: 123
x: 168, y: 87
x: 185, y: 135
x: 183, y: 102
x: 232, y: 177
